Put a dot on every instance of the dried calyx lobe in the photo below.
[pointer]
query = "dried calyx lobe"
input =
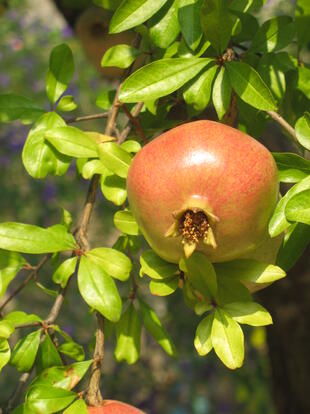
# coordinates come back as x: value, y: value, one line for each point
x: 193, y: 225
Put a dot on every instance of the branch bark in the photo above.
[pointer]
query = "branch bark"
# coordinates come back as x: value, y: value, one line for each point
x: 284, y: 124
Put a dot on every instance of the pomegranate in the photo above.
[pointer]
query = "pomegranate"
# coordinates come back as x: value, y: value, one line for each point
x: 114, y: 407
x: 206, y: 186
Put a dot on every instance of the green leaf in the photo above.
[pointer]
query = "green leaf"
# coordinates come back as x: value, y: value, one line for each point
x: 108, y: 4
x: 302, y: 18
x: 131, y: 13
x: 164, y: 287
x: 249, y: 313
x: 128, y: 336
x: 278, y: 222
x: 294, y: 244
x: 113, y: 187
x: 272, y: 76
x: 25, y: 351
x: 113, y: 262
x: 105, y: 99
x: 66, y: 377
x: 230, y: 290
x: 164, y: 25
x: 64, y: 271
x: 125, y: 222
x: 39, y: 156
x: 21, y: 318
x: 98, y: 290
x: 217, y: 23
x: 48, y: 355
x: 6, y: 329
x: 298, y: 208
x: 198, y: 91
x: 221, y: 93
x: 10, y: 264
x: 189, y: 19
x: 154, y: 326
x: 121, y: 56
x: 60, y: 72
x: 274, y: 34
x: 302, y: 129
x: 227, y: 339
x: 66, y: 219
x: 13, y: 107
x: 249, y: 86
x: 78, y: 407
x: 131, y: 146
x: 249, y: 270
x: 303, y: 80
x: 5, y: 352
x: 160, y: 78
x: 72, y: 142
x: 246, y: 6
x: 22, y: 409
x: 203, y: 340
x: 155, y: 267
x: 93, y: 167
x: 200, y: 273
x: 115, y: 158
x: 26, y: 238
x: 44, y: 399
x: 73, y: 350
x: 292, y: 167
x: 66, y: 104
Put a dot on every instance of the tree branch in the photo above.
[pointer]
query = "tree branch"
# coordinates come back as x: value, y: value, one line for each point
x: 126, y: 131
x: 87, y: 118
x: 135, y: 122
x: 281, y: 121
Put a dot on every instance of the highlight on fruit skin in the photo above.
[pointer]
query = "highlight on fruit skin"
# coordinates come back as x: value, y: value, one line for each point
x: 114, y: 407
x: 203, y: 185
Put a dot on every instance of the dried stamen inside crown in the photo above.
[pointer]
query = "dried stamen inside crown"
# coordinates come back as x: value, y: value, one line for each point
x: 193, y: 226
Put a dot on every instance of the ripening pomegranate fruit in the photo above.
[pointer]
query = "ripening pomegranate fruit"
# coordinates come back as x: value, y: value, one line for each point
x: 114, y: 407
x: 206, y: 186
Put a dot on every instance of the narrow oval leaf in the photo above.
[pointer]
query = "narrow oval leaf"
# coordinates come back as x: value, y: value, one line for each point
x: 60, y: 72
x: 155, y: 267
x: 113, y: 188
x: 25, y: 351
x: 278, y: 222
x: 44, y: 399
x: 198, y: 92
x: 22, y: 409
x: 121, y: 56
x: 164, y: 287
x: 249, y: 270
x: 249, y: 313
x: 27, y: 238
x: 48, y: 355
x: 72, y: 350
x: 78, y: 407
x: 39, y: 156
x: 295, y: 241
x: 154, y: 326
x: 125, y: 222
x: 231, y: 290
x: 274, y: 34
x: 66, y: 104
x: 64, y: 271
x: 10, y: 264
x: 292, y: 167
x: 249, y: 86
x: 14, y: 107
x: 128, y: 336
x: 203, y: 340
x: 164, y: 25
x: 221, y: 93
x: 302, y: 129
x: 115, y: 158
x: 160, y: 78
x: 227, y: 339
x: 6, y: 329
x: 189, y: 19
x: 113, y: 262
x: 21, y: 318
x: 98, y: 290
x: 72, y: 142
x: 131, y: 13
x: 5, y: 352
x: 131, y: 146
x: 298, y: 208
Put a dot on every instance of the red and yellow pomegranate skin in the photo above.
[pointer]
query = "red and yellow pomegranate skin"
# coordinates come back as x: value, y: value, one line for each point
x: 204, y: 165
x: 114, y: 407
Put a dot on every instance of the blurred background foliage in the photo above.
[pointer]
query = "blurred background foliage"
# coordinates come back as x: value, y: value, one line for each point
x: 190, y: 384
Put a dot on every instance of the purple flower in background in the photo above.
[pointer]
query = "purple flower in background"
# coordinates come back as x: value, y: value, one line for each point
x: 4, y: 161
x: 67, y: 32
x: 49, y: 192
x: 4, y: 80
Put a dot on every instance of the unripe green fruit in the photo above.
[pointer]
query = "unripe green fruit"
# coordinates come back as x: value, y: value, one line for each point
x: 114, y: 407
x: 206, y: 186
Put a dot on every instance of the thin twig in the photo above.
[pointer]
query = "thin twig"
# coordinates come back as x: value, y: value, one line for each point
x: 281, y: 121
x: 26, y: 281
x: 126, y: 131
x: 87, y: 118
x: 135, y: 122
x: 21, y: 383
x: 231, y: 116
